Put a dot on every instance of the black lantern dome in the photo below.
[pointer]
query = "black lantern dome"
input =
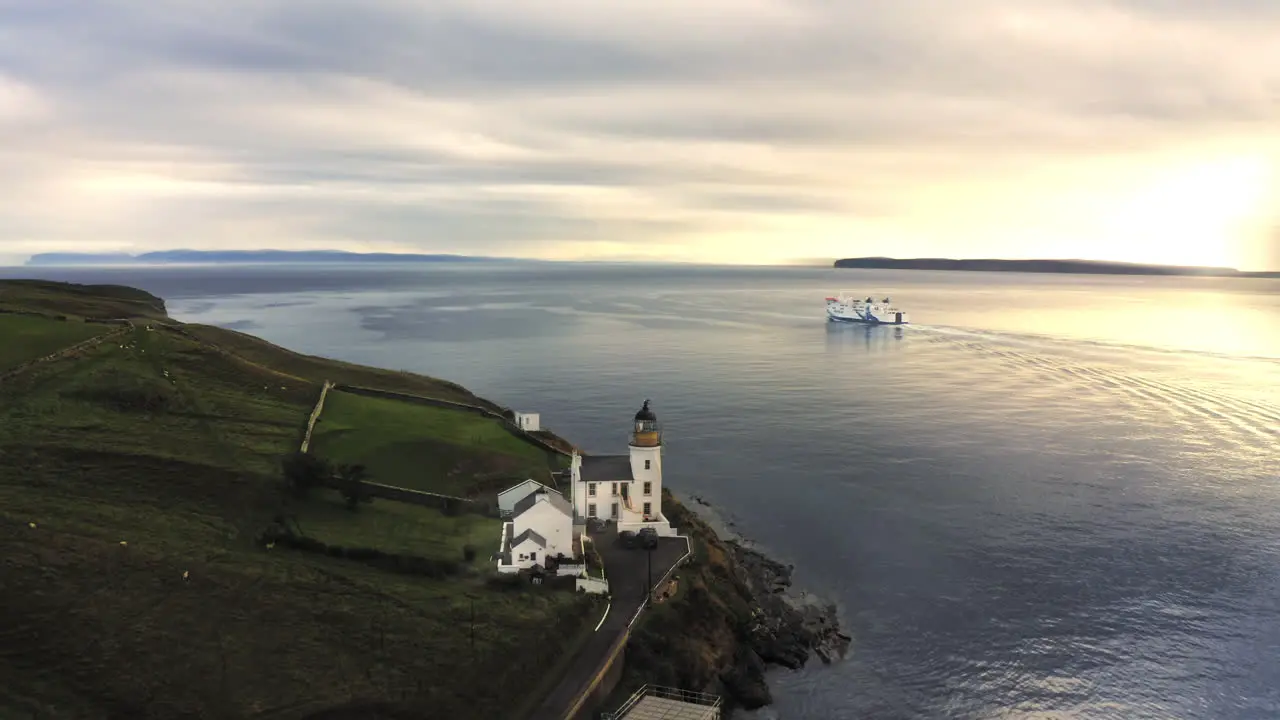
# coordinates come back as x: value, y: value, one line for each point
x: 645, y: 414
x: 646, y: 433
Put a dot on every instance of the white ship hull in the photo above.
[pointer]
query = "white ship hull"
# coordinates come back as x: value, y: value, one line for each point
x: 851, y: 310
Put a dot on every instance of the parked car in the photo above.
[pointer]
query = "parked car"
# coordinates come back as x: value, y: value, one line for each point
x: 627, y: 539
x: 648, y: 538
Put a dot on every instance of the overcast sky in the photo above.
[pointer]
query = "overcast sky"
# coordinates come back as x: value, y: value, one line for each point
x: 719, y: 130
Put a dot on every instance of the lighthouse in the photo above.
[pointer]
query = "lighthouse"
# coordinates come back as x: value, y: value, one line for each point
x: 646, y: 454
x: 625, y: 489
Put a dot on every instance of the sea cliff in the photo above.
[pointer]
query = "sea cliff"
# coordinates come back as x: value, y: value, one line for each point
x: 727, y: 616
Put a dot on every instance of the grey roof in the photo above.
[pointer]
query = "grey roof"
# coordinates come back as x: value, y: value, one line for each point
x: 529, y: 535
x: 521, y: 484
x: 606, y: 468
x: 554, y: 498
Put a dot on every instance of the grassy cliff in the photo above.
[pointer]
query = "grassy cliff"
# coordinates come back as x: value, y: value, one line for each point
x: 83, y: 301
x: 135, y: 478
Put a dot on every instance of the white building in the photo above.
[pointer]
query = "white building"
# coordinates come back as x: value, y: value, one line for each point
x: 541, y: 526
x: 626, y: 489
x: 508, y: 498
x: 528, y: 422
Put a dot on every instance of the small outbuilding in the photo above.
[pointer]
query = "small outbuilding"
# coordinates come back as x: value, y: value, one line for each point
x: 541, y: 526
x: 508, y: 498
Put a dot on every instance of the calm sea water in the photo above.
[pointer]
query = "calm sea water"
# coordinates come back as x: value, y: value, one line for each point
x: 1053, y: 497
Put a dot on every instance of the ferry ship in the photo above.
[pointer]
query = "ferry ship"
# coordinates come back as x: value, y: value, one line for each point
x: 848, y: 308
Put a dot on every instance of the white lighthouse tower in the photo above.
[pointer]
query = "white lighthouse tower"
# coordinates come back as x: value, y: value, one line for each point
x: 625, y: 489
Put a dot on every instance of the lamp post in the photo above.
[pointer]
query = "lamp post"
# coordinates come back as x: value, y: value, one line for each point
x: 649, y: 561
x: 472, y: 599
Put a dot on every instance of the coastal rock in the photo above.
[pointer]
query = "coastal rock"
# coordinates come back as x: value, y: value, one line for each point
x: 745, y: 680
x: 736, y: 614
x: 787, y: 626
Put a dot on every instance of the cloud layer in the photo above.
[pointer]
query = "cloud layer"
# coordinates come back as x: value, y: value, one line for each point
x: 751, y: 131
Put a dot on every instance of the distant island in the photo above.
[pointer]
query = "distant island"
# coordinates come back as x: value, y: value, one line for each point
x: 1076, y: 267
x: 204, y: 257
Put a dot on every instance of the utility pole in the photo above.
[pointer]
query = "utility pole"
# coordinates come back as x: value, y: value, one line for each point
x: 649, y: 587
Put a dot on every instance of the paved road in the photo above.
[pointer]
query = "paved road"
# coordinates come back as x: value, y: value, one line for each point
x: 628, y: 572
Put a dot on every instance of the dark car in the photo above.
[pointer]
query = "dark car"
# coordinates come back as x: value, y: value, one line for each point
x: 627, y: 539
x: 648, y: 538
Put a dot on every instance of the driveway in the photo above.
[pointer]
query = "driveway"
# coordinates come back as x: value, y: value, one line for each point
x: 629, y: 572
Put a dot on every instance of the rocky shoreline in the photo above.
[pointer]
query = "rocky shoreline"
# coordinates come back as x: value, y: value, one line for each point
x: 787, y: 626
x: 732, y: 613
x: 792, y: 624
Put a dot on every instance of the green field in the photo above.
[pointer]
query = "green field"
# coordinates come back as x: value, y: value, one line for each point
x: 28, y: 337
x: 439, y: 450
x: 398, y: 528
x: 126, y: 467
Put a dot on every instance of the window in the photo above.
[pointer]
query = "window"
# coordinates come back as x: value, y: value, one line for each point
x: 646, y: 464
x: 615, y: 488
x: 523, y: 556
x: 614, y: 511
x: 648, y: 488
x: 591, y: 510
x: 533, y: 556
x: 591, y: 489
x: 648, y: 509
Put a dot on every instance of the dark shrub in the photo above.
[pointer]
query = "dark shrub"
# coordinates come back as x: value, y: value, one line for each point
x: 304, y: 471
x: 560, y: 582
x: 510, y: 582
x: 364, y: 554
x: 469, y: 553
x: 351, y: 479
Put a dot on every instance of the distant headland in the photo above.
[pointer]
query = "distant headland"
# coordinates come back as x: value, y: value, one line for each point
x: 208, y: 257
x: 1073, y: 267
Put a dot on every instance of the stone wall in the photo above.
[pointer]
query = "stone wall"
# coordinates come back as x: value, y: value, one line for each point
x: 315, y: 415
x: 436, y: 402
x: 604, y: 681
x: 426, y: 499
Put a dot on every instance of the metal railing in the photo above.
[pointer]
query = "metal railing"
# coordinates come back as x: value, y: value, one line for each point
x: 711, y: 702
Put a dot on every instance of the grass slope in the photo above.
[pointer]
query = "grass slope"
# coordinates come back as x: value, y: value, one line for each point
x: 133, y: 463
x: 398, y: 528
x: 317, y: 369
x: 28, y: 337
x: 85, y: 301
x: 426, y: 448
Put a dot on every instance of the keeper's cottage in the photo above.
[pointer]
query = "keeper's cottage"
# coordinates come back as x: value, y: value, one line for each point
x: 626, y: 489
